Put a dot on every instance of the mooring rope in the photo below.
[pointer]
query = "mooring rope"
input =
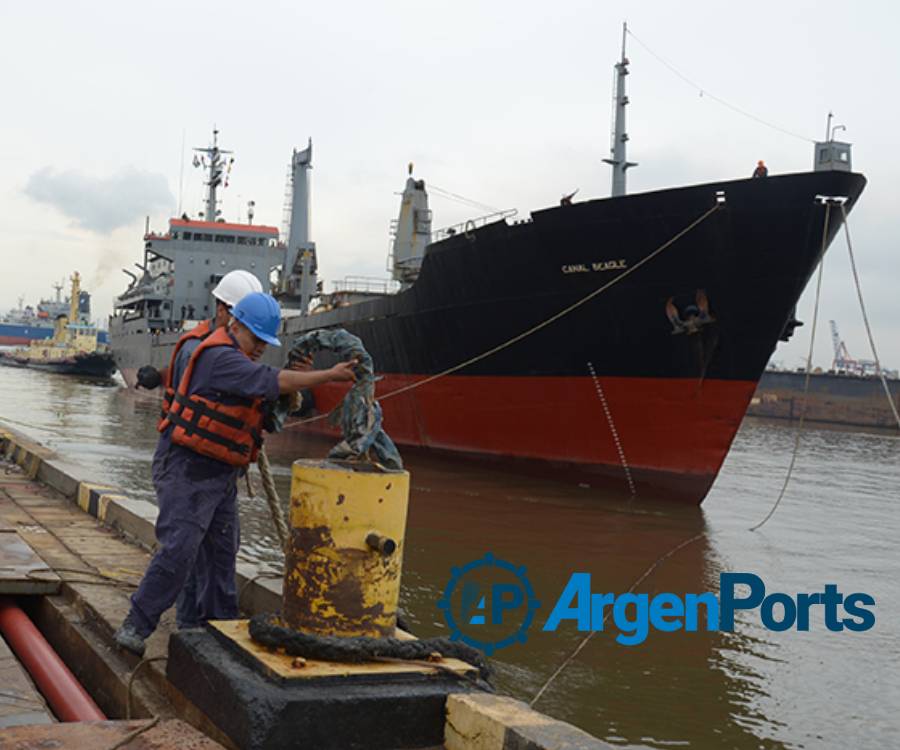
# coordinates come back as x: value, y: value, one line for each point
x: 130, y: 687
x: 268, y: 484
x: 809, y: 356
x: 134, y: 734
x: 539, y: 326
x: 272, y: 498
x: 578, y: 649
x: 584, y: 641
x: 268, y: 630
x: 862, y: 307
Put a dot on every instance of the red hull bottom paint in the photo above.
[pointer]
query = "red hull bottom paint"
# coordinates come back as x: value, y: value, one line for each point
x: 674, y: 434
x: 12, y: 340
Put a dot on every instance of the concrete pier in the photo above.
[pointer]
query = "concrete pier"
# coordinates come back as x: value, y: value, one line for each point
x: 98, y: 542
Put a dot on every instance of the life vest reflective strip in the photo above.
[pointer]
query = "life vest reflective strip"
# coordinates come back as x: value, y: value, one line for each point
x: 200, y: 331
x: 228, y: 429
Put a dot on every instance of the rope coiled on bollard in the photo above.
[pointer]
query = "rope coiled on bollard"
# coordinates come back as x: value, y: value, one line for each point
x: 266, y: 630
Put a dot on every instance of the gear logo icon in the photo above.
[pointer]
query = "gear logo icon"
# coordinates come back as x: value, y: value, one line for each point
x: 492, y: 596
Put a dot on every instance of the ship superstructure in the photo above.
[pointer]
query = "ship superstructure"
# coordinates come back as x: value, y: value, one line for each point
x: 172, y: 287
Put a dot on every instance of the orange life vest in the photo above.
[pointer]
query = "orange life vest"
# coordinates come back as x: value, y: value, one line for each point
x: 200, y: 331
x: 229, y: 432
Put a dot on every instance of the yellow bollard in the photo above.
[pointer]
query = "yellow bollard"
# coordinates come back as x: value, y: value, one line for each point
x: 345, y: 552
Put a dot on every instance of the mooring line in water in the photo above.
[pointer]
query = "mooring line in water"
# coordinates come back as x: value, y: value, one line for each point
x: 571, y: 657
x: 862, y: 307
x: 539, y: 326
x: 584, y: 641
x: 809, y: 355
x: 612, y: 427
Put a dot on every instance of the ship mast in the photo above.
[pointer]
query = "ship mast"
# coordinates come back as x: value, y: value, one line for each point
x: 216, y: 167
x: 618, y: 160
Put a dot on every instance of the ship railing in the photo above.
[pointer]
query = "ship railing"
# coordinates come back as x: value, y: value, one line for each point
x: 366, y: 285
x: 470, y: 225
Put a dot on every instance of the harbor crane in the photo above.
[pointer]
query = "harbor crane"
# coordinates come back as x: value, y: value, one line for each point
x: 844, y: 362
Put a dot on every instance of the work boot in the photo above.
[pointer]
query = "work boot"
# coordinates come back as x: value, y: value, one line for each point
x: 127, y: 637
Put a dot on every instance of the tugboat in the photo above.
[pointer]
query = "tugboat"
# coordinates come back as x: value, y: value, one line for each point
x: 73, y: 349
x: 498, y: 338
x: 26, y: 323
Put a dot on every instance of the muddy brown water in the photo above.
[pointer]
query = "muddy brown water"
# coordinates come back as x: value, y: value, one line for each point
x: 751, y: 688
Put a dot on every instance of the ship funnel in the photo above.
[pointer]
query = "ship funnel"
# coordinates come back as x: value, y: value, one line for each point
x: 411, y: 231
x: 298, y: 282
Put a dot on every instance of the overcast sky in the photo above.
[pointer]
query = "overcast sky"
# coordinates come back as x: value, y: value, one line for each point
x: 507, y: 103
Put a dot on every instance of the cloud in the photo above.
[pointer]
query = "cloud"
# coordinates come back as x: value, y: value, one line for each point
x: 100, y: 204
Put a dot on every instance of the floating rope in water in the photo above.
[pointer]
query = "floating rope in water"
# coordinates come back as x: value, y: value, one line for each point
x: 584, y: 642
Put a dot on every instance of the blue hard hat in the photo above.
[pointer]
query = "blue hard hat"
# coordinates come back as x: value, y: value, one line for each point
x: 261, y: 314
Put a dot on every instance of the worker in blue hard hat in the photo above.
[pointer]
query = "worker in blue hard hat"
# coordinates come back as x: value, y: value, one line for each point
x: 231, y: 289
x: 211, y: 432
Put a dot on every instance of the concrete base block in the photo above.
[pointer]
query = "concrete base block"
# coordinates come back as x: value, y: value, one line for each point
x: 256, y: 710
x: 493, y: 722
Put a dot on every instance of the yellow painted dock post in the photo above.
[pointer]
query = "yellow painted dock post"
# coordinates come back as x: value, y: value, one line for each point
x: 345, y: 552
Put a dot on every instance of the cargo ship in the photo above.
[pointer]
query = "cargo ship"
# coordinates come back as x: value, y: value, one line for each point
x: 74, y: 348
x: 25, y: 323
x: 619, y: 339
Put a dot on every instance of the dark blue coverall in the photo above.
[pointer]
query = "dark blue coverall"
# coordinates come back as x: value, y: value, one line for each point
x: 197, y: 497
x: 187, y: 613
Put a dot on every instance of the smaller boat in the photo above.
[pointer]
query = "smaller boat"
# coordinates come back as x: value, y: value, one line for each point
x: 26, y: 323
x: 74, y: 348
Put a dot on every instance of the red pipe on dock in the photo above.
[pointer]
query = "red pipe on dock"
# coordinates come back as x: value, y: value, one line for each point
x: 66, y: 696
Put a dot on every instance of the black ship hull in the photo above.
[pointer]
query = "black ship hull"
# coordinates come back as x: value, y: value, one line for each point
x: 96, y: 365
x: 604, y: 384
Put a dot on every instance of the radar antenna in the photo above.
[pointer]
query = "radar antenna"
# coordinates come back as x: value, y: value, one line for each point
x: 219, y: 168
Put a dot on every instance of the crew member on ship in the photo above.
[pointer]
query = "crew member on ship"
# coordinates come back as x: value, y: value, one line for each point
x: 231, y: 289
x: 211, y: 432
x: 761, y: 169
